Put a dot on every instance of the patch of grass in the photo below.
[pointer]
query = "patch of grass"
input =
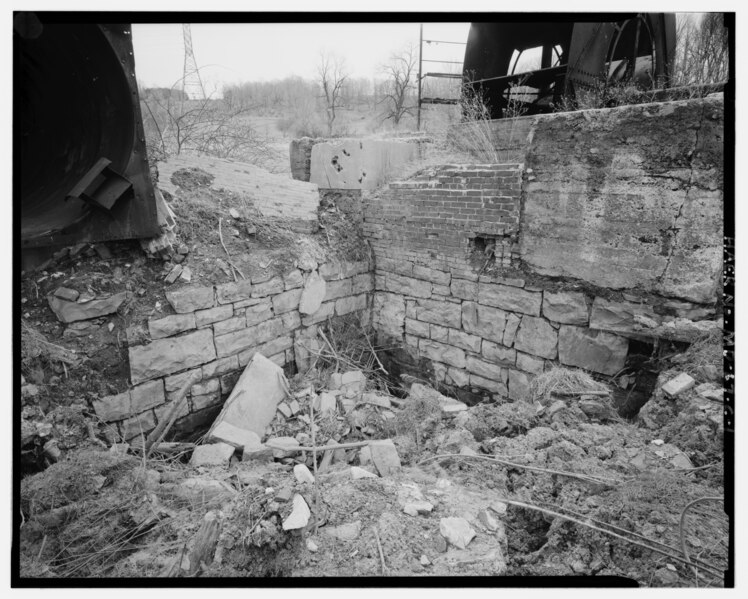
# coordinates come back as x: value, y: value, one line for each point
x: 567, y: 381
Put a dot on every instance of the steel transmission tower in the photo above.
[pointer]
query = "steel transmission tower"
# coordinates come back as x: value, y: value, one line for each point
x: 192, y: 85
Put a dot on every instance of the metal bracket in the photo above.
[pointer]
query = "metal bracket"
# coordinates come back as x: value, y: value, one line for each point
x: 101, y: 186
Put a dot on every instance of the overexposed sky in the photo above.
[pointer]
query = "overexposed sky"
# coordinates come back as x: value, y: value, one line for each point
x: 240, y: 52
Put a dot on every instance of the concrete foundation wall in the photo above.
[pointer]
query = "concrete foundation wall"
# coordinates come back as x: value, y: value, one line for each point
x: 213, y: 334
x: 608, y: 230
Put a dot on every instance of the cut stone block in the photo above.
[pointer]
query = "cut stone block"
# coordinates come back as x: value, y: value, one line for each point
x: 215, y: 454
x: 313, y: 294
x: 566, y: 307
x: 189, y: 299
x: 510, y: 298
x: 253, y: 401
x: 171, y: 325
x: 592, y: 350
x: 166, y: 356
x: 537, y: 337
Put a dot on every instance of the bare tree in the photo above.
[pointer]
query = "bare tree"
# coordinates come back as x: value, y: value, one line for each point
x: 401, y: 79
x: 702, y: 50
x: 331, y: 76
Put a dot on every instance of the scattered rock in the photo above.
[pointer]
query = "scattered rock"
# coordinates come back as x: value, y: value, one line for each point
x: 326, y: 403
x: 418, y: 507
x: 709, y: 391
x: 352, y: 383
x: 457, y: 531
x: 488, y: 520
x: 311, y: 546
x: 234, y: 213
x: 385, y: 457
x: 679, y: 384
x: 425, y: 561
x: 336, y: 380
x: 284, y: 495
x: 440, y: 544
x: 260, y: 453
x: 283, y: 447
x: 377, y: 400
x: 658, y: 442
x: 357, y: 473
x: 344, y: 532
x: 302, y: 474
x: 66, y: 293
x: 67, y: 311
x: 556, y: 406
x: 206, y: 488
x: 285, y: 410
x: 299, y: 516
x: 214, y: 454
x: 499, y: 507
x: 174, y: 274
x: 681, y: 461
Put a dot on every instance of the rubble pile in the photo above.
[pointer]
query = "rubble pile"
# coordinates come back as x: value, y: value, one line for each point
x: 328, y: 474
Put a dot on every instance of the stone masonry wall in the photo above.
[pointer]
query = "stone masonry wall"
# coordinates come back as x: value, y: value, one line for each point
x: 560, y: 289
x: 214, y: 332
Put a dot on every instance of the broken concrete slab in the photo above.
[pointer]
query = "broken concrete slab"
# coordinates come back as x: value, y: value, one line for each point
x: 253, y: 401
x: 68, y: 311
x: 681, y: 383
x: 214, y: 454
x: 385, y: 457
x: 299, y: 516
x: 457, y: 531
x: 302, y: 474
x: 313, y: 293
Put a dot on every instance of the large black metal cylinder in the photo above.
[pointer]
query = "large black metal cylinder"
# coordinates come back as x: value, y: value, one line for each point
x: 76, y: 103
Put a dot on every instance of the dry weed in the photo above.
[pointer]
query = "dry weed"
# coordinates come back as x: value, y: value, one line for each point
x: 564, y: 381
